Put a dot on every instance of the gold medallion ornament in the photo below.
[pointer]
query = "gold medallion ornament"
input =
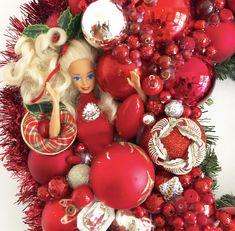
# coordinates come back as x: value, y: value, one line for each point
x: 196, y: 150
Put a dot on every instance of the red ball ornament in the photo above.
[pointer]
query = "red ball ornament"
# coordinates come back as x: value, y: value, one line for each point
x: 159, y: 221
x: 43, y: 193
x: 43, y: 127
x: 193, y: 86
x: 204, y: 8
x: 43, y: 168
x: 58, y: 187
x: 139, y: 212
x: 59, y: 215
x: 190, y: 218
x: 112, y: 76
x: 165, y: 97
x: 191, y: 196
x: 181, y: 205
x: 128, y: 125
x: 82, y: 196
x: 152, y: 85
x: 201, y: 186
x: 231, y: 5
x: 154, y: 203
x: 222, y: 38
x: 165, y: 27
x: 77, y: 6
x: 168, y: 210
x: 122, y: 176
x: 155, y: 106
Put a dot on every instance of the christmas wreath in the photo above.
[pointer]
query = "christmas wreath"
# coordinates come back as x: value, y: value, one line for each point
x: 130, y: 151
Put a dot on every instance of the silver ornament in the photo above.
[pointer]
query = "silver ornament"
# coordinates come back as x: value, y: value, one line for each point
x: 103, y: 24
x: 171, y: 189
x: 149, y: 119
x: 78, y: 175
x: 91, y: 112
x: 174, y: 109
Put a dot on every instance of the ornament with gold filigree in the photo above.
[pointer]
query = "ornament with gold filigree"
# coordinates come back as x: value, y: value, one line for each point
x: 177, y: 145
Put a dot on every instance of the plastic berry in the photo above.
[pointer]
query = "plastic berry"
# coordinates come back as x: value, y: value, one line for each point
x: 133, y: 42
x: 164, y: 61
x: 208, y: 198
x: 191, y: 196
x: 181, y: 205
x: 196, y: 172
x: 187, y: 43
x: 185, y: 180
x: 187, y: 112
x: 196, y: 113
x: 80, y: 148
x: 134, y: 55
x: 153, y: 69
x: 82, y: 196
x: 154, y: 203
x: 168, y: 210
x: 152, y: 85
x: 172, y: 49
x: 134, y: 28
x: 146, y: 39
x: 193, y: 228
x: 204, y: 8
x: 226, y: 15
x: 201, y: 186
x: 209, y: 180
x: 178, y: 223
x: 155, y: 107
x: 202, y: 219
x: 200, y: 25
x: 43, y: 193
x: 139, y: 212
x: 201, y: 39
x: 165, y: 97
x: 121, y: 52
x: 199, y: 208
x: 219, y: 4
x: 135, y: 16
x: 190, y: 218
x: 146, y: 52
x: 224, y: 218
x: 210, y: 51
x: 159, y: 221
x: 155, y: 58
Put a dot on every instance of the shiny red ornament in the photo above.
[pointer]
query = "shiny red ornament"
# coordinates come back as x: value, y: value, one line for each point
x: 190, y: 218
x: 204, y: 8
x: 43, y: 168
x: 187, y: 112
x: 231, y: 5
x: 112, y: 76
x: 192, y: 86
x: 181, y: 205
x: 122, y: 176
x: 58, y: 187
x: 222, y: 38
x: 201, y: 39
x: 59, y: 215
x: 185, y: 180
x: 82, y: 196
x: 168, y: 210
x: 152, y: 85
x: 80, y: 148
x: 169, y: 18
x: 178, y: 223
x: 191, y: 196
x: 196, y: 113
x: 202, y: 186
x: 159, y: 221
x: 154, y: 203
x: 128, y: 125
x: 226, y: 15
x: 139, y: 212
x: 165, y: 97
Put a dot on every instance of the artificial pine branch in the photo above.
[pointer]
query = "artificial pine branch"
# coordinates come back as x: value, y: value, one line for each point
x: 226, y: 70
x: 227, y: 200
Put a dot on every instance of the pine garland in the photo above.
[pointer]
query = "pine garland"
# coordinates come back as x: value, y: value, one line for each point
x: 226, y: 70
x: 227, y: 200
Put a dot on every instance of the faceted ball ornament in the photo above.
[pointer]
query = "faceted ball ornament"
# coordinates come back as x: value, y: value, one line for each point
x: 122, y: 176
x: 103, y: 24
x: 174, y: 109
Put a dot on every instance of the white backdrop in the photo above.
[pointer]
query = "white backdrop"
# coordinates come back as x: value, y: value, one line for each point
x: 222, y: 113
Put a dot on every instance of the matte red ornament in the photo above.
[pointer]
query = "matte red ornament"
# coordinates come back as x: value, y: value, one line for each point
x: 169, y: 18
x: 82, y: 196
x: 128, y: 125
x: 192, y: 85
x: 112, y: 76
x: 152, y: 85
x: 43, y: 168
x: 59, y: 215
x: 222, y: 38
x: 122, y: 176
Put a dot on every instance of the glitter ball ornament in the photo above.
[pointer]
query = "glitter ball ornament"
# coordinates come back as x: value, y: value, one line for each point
x: 122, y: 176
x: 191, y: 152
x: 174, y: 109
x: 78, y: 175
x: 103, y: 28
x: 58, y: 187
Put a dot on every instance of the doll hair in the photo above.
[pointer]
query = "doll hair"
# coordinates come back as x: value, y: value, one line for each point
x: 38, y: 58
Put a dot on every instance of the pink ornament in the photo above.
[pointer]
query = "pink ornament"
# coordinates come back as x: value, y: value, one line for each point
x: 122, y: 176
x: 222, y: 38
x: 43, y: 168
x: 112, y: 76
x: 192, y: 85
x: 128, y: 125
x: 169, y: 18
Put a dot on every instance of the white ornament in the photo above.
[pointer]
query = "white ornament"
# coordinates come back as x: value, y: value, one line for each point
x: 174, y: 109
x: 78, y: 175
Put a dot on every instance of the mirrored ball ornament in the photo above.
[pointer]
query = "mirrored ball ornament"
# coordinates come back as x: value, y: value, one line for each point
x: 174, y: 109
x: 103, y: 24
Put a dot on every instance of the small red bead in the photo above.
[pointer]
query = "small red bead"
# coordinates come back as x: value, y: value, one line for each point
x: 191, y: 196
x: 135, y: 16
x: 190, y: 218
x: 165, y: 97
x: 200, y: 25
x: 185, y: 180
x: 43, y: 193
x: 159, y: 221
x: 202, y: 220
x: 135, y: 28
x: 134, y: 55
x: 201, y: 39
x: 147, y: 39
x: 172, y: 49
x: 187, y: 43
x: 133, y: 42
x: 220, y: 4
x: 155, y: 107
x: 187, y: 54
x: 201, y: 186
x: 147, y: 29
x: 121, y: 52
x: 225, y: 218
x: 193, y: 228
x: 168, y: 210
x: 181, y: 205
x: 209, y: 181
x: 210, y: 51
x: 196, y: 172
x: 154, y: 203
x: 199, y: 208
x: 187, y: 112
x: 208, y: 198
x: 82, y: 196
x: 139, y: 211
x: 178, y: 223
x: 58, y: 187
x: 155, y: 58
x: 146, y: 52
x: 164, y: 61
x: 80, y: 148
x: 226, y: 15
x: 167, y: 73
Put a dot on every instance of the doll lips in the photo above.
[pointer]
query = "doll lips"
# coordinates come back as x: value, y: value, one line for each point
x: 85, y: 88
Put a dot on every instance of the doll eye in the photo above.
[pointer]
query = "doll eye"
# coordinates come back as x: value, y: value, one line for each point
x: 77, y: 78
x: 91, y: 76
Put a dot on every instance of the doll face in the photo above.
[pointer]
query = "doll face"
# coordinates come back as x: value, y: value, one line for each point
x: 82, y: 72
